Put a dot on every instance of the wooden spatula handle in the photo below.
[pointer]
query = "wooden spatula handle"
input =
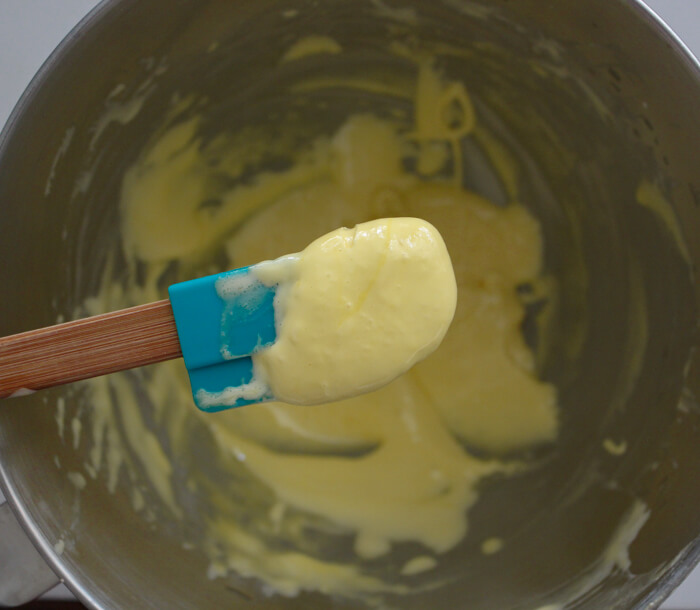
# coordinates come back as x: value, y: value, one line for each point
x: 87, y: 348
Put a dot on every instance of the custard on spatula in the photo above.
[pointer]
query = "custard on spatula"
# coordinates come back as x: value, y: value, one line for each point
x: 347, y: 315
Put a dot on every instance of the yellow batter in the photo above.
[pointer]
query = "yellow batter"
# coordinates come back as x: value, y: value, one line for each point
x: 388, y: 467
x: 357, y: 308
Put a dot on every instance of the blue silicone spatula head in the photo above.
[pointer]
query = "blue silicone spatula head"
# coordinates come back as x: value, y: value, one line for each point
x: 221, y: 320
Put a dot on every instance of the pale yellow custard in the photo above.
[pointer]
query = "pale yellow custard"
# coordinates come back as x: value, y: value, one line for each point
x: 393, y: 466
x: 355, y: 309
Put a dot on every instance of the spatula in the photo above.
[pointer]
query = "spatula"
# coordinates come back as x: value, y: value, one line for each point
x: 214, y: 334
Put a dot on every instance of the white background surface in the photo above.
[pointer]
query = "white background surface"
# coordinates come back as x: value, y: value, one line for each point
x: 30, y: 29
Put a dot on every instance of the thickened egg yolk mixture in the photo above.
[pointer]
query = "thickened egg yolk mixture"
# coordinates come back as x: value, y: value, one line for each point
x: 312, y: 497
